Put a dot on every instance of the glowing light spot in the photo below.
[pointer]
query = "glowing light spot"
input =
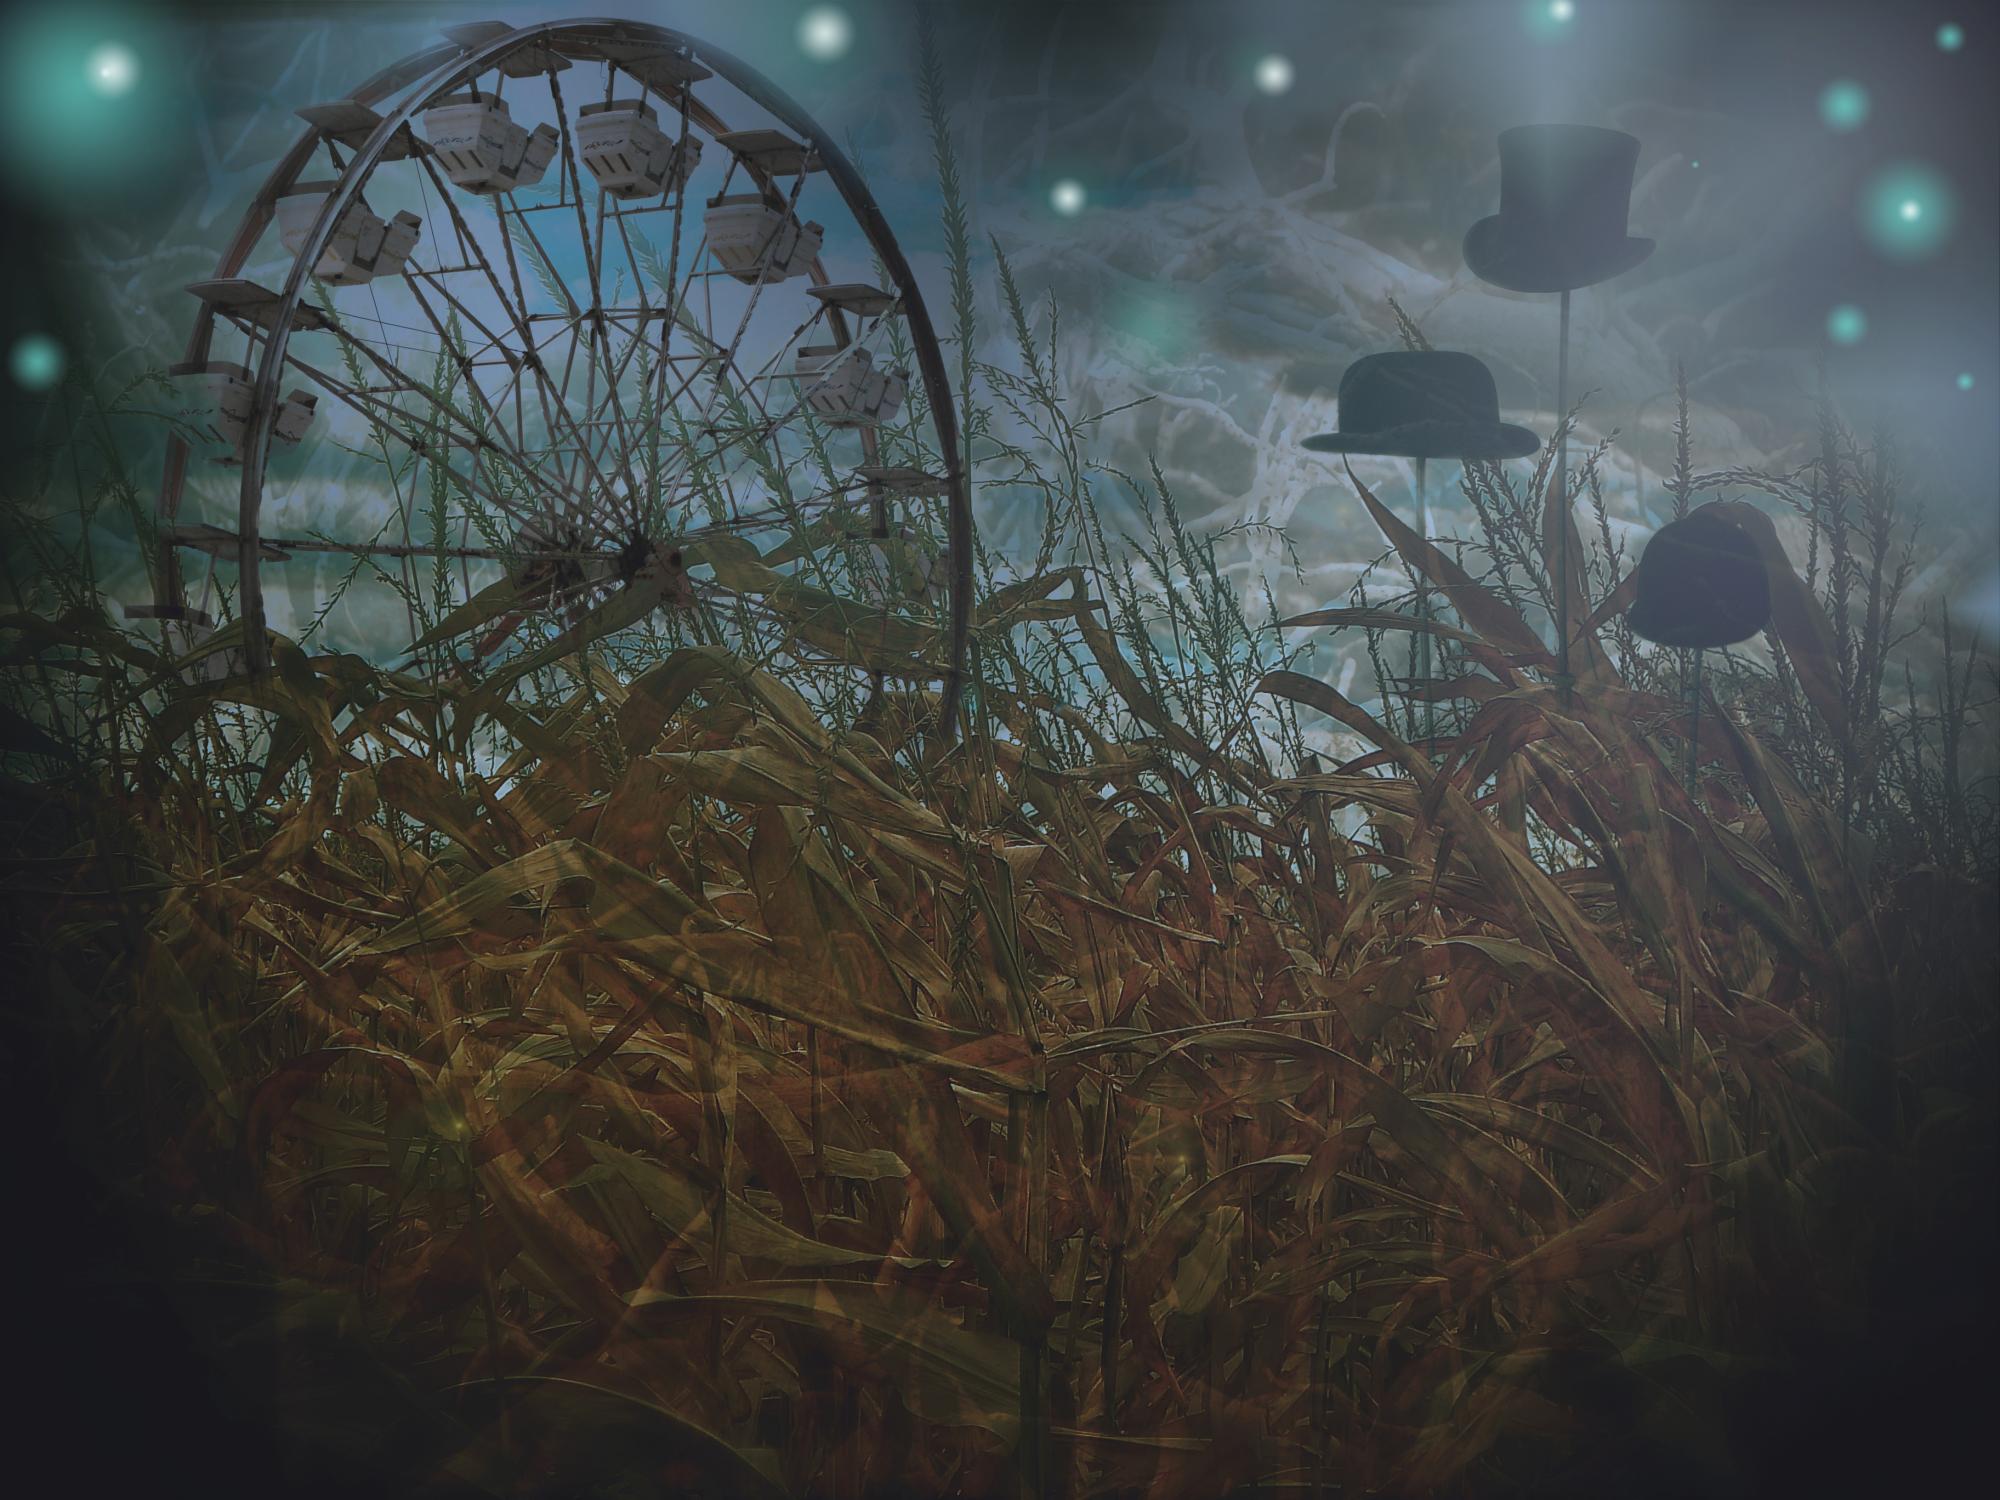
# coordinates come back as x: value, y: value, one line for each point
x: 1965, y: 376
x: 1067, y: 197
x: 88, y: 110
x: 112, y: 69
x: 36, y: 362
x: 1847, y: 324
x: 1694, y: 164
x: 825, y: 33
x: 1158, y: 323
x: 1908, y: 211
x: 1274, y: 73
x: 1548, y: 20
x: 1843, y: 105
x: 1950, y: 37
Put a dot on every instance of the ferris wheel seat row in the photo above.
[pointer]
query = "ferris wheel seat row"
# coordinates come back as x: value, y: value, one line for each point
x: 481, y: 149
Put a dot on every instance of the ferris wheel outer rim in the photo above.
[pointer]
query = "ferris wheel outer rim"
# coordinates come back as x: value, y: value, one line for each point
x: 460, y: 64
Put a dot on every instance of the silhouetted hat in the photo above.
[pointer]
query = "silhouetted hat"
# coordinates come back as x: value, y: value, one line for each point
x: 1423, y: 403
x: 1564, y: 194
x: 1701, y: 583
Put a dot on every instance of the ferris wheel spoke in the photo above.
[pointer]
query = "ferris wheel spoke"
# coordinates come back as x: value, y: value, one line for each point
x: 726, y: 359
x: 609, y: 416
x: 651, y: 382
x: 613, y: 404
x: 496, y: 436
x: 583, y: 423
x: 404, y: 385
x: 590, y: 257
x: 746, y: 385
x: 519, y: 360
x: 719, y: 366
x: 675, y: 289
x: 752, y: 437
x: 573, y: 317
x: 220, y: 543
x: 700, y: 363
x: 379, y: 415
x: 555, y: 413
x: 616, y: 373
x: 675, y: 294
x: 516, y: 307
x: 598, y: 355
x: 755, y: 434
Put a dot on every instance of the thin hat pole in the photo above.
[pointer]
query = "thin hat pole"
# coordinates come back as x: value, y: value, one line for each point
x: 1424, y: 622
x: 1694, y: 725
x: 1562, y: 514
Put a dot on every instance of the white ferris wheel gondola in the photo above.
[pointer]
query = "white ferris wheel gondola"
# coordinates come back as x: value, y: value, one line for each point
x: 216, y: 398
x: 363, y: 244
x: 843, y: 387
x: 620, y: 140
x: 482, y: 149
x: 756, y: 240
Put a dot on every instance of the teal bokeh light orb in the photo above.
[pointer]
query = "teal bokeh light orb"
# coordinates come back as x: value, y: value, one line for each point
x: 1950, y: 37
x: 90, y: 106
x: 1159, y: 324
x: 1067, y: 197
x: 36, y: 362
x: 1965, y: 380
x: 1908, y: 211
x: 1843, y: 105
x: 1847, y: 324
x: 1549, y: 19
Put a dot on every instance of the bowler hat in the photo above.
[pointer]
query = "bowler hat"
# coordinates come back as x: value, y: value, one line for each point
x: 1423, y: 403
x: 1701, y: 583
x: 1564, y: 194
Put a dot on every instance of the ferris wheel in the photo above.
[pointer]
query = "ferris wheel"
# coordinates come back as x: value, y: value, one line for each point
x: 563, y: 293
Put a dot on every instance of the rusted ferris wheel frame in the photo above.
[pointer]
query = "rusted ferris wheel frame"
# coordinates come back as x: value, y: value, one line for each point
x: 438, y: 71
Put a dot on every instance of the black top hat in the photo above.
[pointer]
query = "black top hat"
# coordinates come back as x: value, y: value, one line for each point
x: 1701, y: 583
x: 1564, y: 194
x: 1424, y: 403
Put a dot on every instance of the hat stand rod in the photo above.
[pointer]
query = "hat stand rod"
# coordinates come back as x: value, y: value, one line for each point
x: 1424, y: 624
x: 1562, y: 516
x: 1694, y: 725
